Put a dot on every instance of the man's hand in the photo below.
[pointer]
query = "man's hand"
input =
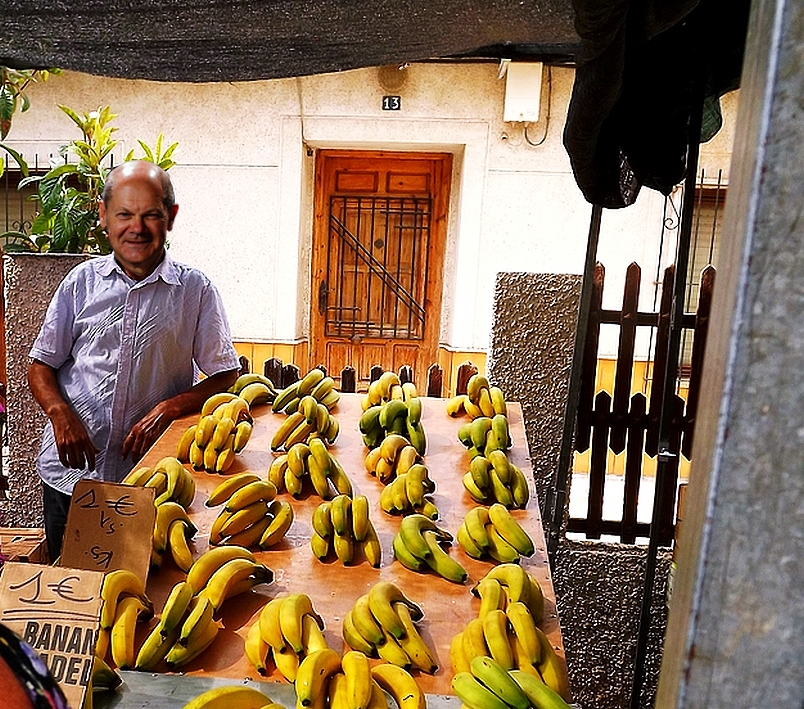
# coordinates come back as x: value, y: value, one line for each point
x: 75, y: 447
x: 145, y: 432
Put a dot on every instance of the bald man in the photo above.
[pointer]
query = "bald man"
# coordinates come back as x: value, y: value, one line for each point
x: 118, y: 356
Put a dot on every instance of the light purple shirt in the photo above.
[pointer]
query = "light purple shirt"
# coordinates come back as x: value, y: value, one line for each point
x: 120, y: 347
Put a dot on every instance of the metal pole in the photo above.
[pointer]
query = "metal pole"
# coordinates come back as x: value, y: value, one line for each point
x: 670, y: 375
x: 555, y: 505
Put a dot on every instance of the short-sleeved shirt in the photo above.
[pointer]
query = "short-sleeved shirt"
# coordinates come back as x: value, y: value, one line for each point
x: 121, y: 346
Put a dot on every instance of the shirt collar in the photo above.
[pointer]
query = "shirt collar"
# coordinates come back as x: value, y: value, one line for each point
x: 166, y: 270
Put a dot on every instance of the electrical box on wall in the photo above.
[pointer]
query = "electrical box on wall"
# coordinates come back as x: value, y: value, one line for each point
x: 523, y: 88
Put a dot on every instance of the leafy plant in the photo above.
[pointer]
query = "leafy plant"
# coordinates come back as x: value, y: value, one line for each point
x: 68, y: 195
x: 13, y: 83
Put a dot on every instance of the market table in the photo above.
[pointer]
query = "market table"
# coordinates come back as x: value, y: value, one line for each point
x: 332, y: 586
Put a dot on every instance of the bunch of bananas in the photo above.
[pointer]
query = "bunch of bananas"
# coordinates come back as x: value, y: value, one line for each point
x: 237, y: 696
x: 287, y: 631
x: 187, y: 624
x: 311, y: 420
x: 309, y: 461
x: 124, y: 605
x: 316, y: 384
x: 408, y: 493
x: 493, y: 477
x: 255, y: 388
x: 417, y: 546
x: 494, y: 532
x: 394, y: 416
x: 173, y: 530
x: 170, y: 480
x: 485, y: 434
x: 251, y: 516
x: 480, y: 399
x: 223, y: 430
x: 381, y: 624
x: 486, y: 684
x: 341, y: 525
x: 386, y: 387
x: 393, y: 456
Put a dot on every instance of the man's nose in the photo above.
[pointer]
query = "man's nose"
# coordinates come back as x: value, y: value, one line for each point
x: 137, y: 224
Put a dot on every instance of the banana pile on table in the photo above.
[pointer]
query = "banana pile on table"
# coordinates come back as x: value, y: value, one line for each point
x: 125, y: 604
x: 232, y: 696
x: 187, y: 624
x: 481, y: 399
x: 417, y: 546
x: 224, y: 425
x: 503, y: 642
x: 251, y: 517
x: 306, y: 464
x: 170, y: 480
x: 494, y: 478
x: 381, y: 623
x: 392, y: 407
x: 287, y: 631
x: 342, y: 526
x: 493, y: 532
x: 315, y: 383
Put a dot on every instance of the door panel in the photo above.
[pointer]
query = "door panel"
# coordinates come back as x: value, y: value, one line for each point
x: 378, y: 251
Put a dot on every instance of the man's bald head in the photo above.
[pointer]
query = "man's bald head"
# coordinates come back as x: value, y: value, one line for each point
x: 140, y: 169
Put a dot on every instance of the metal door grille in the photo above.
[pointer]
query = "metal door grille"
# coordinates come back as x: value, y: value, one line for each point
x: 377, y: 260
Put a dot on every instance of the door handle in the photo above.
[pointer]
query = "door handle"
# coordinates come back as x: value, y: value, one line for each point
x: 323, y: 291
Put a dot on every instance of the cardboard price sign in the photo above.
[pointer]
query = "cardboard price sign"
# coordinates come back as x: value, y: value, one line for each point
x: 57, y: 612
x: 109, y: 526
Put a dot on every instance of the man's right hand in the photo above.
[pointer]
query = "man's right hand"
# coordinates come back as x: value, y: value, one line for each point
x: 75, y: 447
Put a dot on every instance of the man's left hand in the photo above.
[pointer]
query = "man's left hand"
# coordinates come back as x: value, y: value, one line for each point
x: 145, y: 432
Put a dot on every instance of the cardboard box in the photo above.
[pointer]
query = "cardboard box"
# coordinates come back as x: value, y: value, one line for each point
x: 24, y: 544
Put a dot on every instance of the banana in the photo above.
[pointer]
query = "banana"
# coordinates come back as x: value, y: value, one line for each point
x: 515, y: 579
x: 474, y: 640
x: 495, y: 676
x: 357, y: 672
x: 538, y: 693
x: 391, y: 445
x: 322, y: 521
x: 103, y: 637
x: 314, y: 673
x: 372, y: 548
x: 229, y: 697
x: 391, y: 651
x: 406, y: 458
x: 370, y: 419
x: 138, y: 476
x: 474, y: 694
x: 415, y: 484
x: 472, y: 409
x: 387, y: 380
x: 366, y: 623
x: 220, y: 434
x: 416, y: 435
x: 300, y: 434
x: 467, y: 543
x: 176, y: 605
x: 457, y: 659
x: 499, y: 461
x: 291, y: 614
x: 476, y: 383
x: 495, y: 630
x: 285, y: 396
x: 413, y: 643
x: 256, y: 649
x: 180, y: 655
x: 484, y: 402
x: 519, y: 487
x: 341, y: 514
x: 331, y: 400
x: 155, y: 647
x: 411, y: 530
x: 478, y: 430
x: 204, y: 429
x: 510, y: 529
x: 476, y: 521
x: 130, y: 610
x: 318, y: 474
x: 499, y: 490
x: 201, y: 614
x: 308, y: 382
x: 339, y: 478
x: 344, y: 546
x: 242, y: 435
x: 360, y: 517
x: 270, y: 629
x: 405, y: 556
x: 287, y: 663
x: 251, y: 535
x: 293, y: 484
x: 414, y: 410
x: 381, y: 599
x: 480, y: 468
x: 390, y: 411
x: 179, y: 534
x: 226, y: 579
x: 215, y: 400
x: 499, y: 549
x: 498, y: 400
x: 255, y: 491
x: 312, y: 636
x: 551, y: 668
x: 499, y: 424
x: 492, y: 595
x: 183, y: 446
x: 196, y: 456
x: 523, y: 625
x: 400, y: 684
x: 276, y: 471
x: 280, y: 524
x: 103, y: 677
x: 324, y: 387
x: 429, y: 509
x: 244, y: 518
x: 354, y: 639
x: 535, y: 599
x: 471, y: 487
x: 116, y: 585
x: 455, y: 406
x: 441, y: 562
x: 176, y: 476
x: 223, y: 491
x: 332, y: 430
x: 157, y: 481
x: 257, y: 393
x: 209, y: 562
x: 237, y: 409
x: 285, y: 429
x: 249, y: 378
x: 336, y: 689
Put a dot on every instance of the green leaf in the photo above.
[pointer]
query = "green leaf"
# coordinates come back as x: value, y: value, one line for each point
x: 23, y: 166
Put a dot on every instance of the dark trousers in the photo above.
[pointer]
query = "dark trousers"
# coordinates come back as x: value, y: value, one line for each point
x: 56, y: 505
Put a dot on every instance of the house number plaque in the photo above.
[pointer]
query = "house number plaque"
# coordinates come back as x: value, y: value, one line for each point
x: 391, y: 103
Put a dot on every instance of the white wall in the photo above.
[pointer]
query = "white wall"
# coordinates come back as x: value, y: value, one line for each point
x: 244, y: 181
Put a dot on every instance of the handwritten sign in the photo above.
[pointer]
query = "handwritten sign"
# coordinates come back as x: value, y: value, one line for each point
x: 109, y: 526
x: 55, y: 610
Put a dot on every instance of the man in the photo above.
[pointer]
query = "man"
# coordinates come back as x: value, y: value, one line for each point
x: 123, y: 340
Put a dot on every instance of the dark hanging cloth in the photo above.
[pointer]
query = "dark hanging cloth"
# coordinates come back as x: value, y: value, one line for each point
x: 638, y: 71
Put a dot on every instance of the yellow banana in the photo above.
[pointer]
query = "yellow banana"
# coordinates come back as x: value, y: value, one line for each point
x: 441, y: 562
x: 476, y: 383
x: 492, y: 595
x: 360, y: 517
x: 180, y: 655
x: 324, y: 387
x: 499, y: 461
x: 215, y: 400
x: 285, y: 429
x: 183, y: 446
x: 291, y: 614
x: 495, y: 676
x: 457, y: 659
x: 372, y: 548
x: 287, y: 663
x: 178, y: 542
x: 339, y: 477
x: 381, y: 599
x: 365, y: 622
x: 524, y: 628
x: 485, y: 403
x: 313, y: 674
x: 474, y: 640
x: 308, y: 382
x: 210, y: 561
x: 176, y: 605
x: 220, y: 433
x: 413, y: 643
x: 499, y: 490
x: 155, y: 647
x: 138, y: 476
x: 551, y: 668
x: 391, y: 651
x: 195, y: 623
x: 204, y: 429
x: 472, y: 409
x: 116, y: 585
x: 477, y: 494
x: 474, y: 693
x: 242, y: 435
x: 353, y: 637
x: 519, y: 487
x: 344, y: 546
x: 510, y: 529
x: 400, y: 684
x: 357, y: 672
x: 467, y: 543
x: 318, y: 474
x: 256, y: 649
x: 270, y: 629
x: 495, y: 630
x: 312, y: 636
x: 340, y: 511
x: 257, y: 393
x: 455, y: 406
x: 515, y: 579
x: 280, y: 524
x: 276, y: 471
x: 500, y: 549
x: 130, y: 610
x: 293, y: 484
x: 285, y: 396
x: 539, y: 694
x: 498, y: 400
x: 196, y: 456
x: 251, y: 535
x: 244, y: 518
x: 229, y: 697
x: 255, y: 491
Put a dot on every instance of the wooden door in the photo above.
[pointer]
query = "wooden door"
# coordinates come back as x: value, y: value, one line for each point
x: 378, y: 253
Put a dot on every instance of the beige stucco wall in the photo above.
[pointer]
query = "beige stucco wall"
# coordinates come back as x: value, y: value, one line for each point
x: 244, y: 181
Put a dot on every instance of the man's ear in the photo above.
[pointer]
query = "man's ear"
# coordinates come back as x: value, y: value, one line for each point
x: 102, y: 213
x: 172, y: 216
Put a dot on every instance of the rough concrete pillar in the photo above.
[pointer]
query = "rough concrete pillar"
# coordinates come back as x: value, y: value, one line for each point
x: 736, y: 626
x: 29, y: 281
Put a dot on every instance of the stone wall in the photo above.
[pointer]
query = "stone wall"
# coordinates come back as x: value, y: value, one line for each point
x: 28, y: 284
